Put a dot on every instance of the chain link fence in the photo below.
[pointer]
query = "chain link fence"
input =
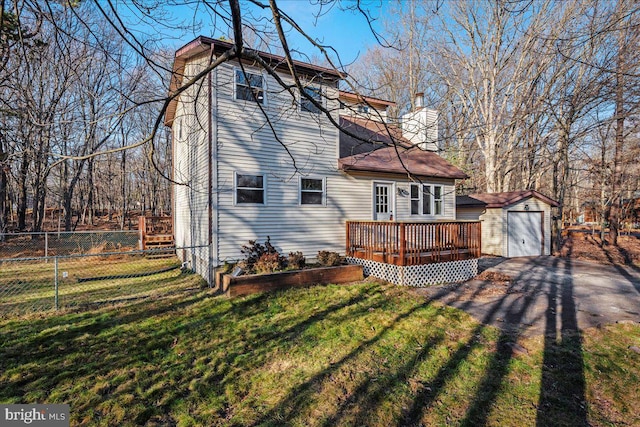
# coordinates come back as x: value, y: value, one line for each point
x: 86, y: 270
x: 48, y: 244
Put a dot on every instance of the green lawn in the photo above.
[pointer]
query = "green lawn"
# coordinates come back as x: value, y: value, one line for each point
x: 365, y: 354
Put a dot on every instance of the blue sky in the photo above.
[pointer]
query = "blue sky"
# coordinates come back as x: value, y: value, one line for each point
x: 345, y: 30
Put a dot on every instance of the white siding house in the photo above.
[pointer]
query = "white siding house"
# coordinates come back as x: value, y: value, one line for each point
x: 251, y: 162
x: 516, y: 223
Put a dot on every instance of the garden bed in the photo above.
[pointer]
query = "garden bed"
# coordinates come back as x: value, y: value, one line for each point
x: 250, y: 284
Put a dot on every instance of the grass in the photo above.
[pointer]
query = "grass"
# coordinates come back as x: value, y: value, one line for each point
x: 366, y: 354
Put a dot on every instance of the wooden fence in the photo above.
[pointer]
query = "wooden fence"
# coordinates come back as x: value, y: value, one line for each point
x: 413, y: 243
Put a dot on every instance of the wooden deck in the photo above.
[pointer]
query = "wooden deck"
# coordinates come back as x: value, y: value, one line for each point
x: 413, y: 243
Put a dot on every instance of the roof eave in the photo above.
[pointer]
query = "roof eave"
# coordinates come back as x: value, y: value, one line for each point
x: 347, y: 167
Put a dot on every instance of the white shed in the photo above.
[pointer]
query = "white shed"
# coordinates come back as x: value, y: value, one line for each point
x: 515, y: 223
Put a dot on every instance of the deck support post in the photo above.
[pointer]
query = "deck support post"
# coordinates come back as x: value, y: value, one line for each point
x: 403, y: 244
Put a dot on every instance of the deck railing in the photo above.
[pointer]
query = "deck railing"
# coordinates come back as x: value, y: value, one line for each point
x: 413, y: 243
x: 155, y: 232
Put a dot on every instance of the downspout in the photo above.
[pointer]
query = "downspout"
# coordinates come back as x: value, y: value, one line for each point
x: 210, y: 174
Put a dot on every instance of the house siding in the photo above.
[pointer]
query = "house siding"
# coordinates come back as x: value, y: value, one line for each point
x: 249, y: 146
x: 191, y: 170
x: 468, y: 213
x: 494, y: 229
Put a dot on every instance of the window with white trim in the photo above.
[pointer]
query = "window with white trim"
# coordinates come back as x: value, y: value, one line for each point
x: 306, y: 104
x: 312, y: 191
x: 426, y: 199
x: 249, y: 86
x: 250, y: 188
x: 437, y: 200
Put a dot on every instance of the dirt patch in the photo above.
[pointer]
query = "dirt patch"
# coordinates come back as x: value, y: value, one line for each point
x: 494, y: 276
x: 486, y: 286
x: 587, y: 246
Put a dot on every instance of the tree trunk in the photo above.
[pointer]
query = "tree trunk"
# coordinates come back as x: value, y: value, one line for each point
x: 617, y: 179
x: 23, y: 191
x: 123, y: 188
x: 4, y: 217
x: 91, y: 195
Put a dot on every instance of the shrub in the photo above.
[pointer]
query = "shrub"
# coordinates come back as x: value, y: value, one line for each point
x: 269, y: 262
x: 329, y: 259
x: 253, y: 252
x: 296, y: 260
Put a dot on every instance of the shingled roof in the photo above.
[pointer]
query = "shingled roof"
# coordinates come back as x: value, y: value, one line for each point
x: 500, y: 200
x: 387, y: 151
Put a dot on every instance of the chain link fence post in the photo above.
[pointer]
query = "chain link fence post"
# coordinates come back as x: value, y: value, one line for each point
x: 211, y: 269
x: 55, y: 273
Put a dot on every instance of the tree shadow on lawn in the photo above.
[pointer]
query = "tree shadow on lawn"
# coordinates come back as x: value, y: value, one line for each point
x: 562, y: 390
x: 177, y: 367
x: 131, y: 340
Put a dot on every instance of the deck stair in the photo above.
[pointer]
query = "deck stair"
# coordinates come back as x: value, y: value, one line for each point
x: 156, y: 234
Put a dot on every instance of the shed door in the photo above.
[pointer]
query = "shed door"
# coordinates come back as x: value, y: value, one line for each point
x: 525, y: 233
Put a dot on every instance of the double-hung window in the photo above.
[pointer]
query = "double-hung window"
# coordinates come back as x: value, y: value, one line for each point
x: 426, y: 199
x: 249, y: 86
x: 437, y: 200
x: 306, y: 104
x: 250, y: 188
x: 312, y: 191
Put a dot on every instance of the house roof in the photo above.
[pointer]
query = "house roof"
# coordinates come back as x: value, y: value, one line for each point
x: 500, y: 200
x: 217, y: 47
x: 372, y: 135
x: 469, y: 202
x: 402, y: 160
x: 376, y: 102
x: 381, y: 148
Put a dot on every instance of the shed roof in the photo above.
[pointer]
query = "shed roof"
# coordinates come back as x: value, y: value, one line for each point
x: 500, y: 200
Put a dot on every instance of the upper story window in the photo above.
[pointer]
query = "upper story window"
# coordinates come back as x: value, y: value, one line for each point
x: 306, y: 104
x: 249, y: 86
x: 363, y: 108
x: 427, y: 199
x: 312, y: 191
x: 250, y: 188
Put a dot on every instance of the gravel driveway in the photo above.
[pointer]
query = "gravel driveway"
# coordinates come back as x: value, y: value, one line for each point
x: 545, y: 295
